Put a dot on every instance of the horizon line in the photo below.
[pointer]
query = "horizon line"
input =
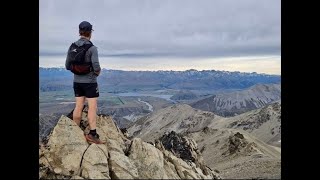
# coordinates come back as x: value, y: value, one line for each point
x: 192, y: 69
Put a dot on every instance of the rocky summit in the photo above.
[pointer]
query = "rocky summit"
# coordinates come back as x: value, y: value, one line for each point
x: 65, y: 154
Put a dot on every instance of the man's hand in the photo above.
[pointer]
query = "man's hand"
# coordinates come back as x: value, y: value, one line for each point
x: 97, y: 73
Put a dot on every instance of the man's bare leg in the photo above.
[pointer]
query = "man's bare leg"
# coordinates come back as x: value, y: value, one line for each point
x: 92, y: 112
x: 93, y: 137
x: 77, y: 112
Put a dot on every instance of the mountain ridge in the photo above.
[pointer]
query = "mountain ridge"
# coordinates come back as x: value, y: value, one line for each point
x: 61, y: 68
x: 237, y: 102
x: 178, y: 118
x: 238, y: 154
x: 119, y: 80
x: 265, y: 122
x: 247, y: 150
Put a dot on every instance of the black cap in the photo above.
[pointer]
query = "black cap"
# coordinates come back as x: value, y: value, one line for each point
x: 85, y: 26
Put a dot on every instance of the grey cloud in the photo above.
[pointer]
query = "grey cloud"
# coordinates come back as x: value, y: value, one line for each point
x: 183, y: 28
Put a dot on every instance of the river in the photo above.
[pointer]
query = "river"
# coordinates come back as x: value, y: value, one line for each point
x: 150, y: 107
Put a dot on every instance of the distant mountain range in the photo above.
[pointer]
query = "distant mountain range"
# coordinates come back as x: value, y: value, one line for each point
x: 264, y: 123
x: 237, y: 102
x: 52, y: 79
x: 240, y: 146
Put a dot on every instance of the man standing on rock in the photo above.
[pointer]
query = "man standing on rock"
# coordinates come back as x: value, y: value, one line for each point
x: 82, y: 60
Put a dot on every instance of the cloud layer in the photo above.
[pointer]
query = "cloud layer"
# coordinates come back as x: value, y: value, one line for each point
x: 180, y: 28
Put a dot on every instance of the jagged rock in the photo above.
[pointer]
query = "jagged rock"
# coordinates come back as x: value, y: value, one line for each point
x: 180, y: 146
x: 66, y: 147
x: 44, y: 166
x: 148, y: 160
x: 162, y: 164
x: 188, y: 170
x: 206, y: 130
x: 151, y: 143
x: 122, y: 167
x: 95, y: 162
x: 239, y: 135
x: 170, y: 170
x: 67, y: 155
x: 109, y: 131
x: 236, y: 143
x: 124, y: 132
x: 76, y: 177
x: 186, y: 149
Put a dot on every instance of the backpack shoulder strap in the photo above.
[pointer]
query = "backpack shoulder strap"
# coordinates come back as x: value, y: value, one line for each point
x: 72, y: 45
x: 88, y: 46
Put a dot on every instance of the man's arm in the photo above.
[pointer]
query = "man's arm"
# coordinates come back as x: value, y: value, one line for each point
x: 68, y: 64
x: 95, y: 60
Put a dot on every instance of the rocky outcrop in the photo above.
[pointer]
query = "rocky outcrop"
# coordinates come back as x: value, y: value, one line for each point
x: 236, y: 142
x: 263, y: 123
x: 95, y: 163
x: 184, y: 148
x: 46, y: 124
x: 180, y: 146
x: 237, y: 145
x: 236, y: 154
x: 66, y: 147
x: 67, y: 155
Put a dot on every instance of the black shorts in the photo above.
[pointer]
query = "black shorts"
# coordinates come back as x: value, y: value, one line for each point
x: 89, y: 90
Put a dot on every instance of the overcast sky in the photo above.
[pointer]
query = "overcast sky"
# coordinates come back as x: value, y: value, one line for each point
x: 242, y: 35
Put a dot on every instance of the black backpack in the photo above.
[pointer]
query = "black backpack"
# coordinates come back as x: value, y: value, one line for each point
x: 77, y: 59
